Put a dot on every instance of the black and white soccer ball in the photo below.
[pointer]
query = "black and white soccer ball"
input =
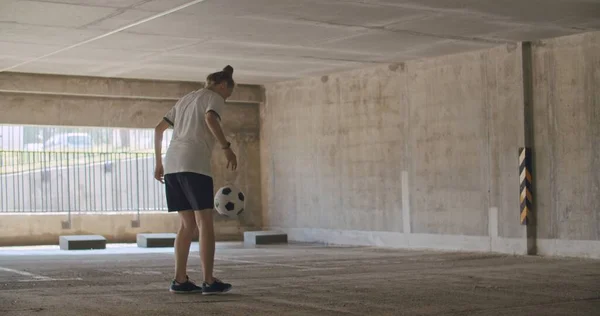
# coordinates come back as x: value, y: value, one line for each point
x: 230, y: 201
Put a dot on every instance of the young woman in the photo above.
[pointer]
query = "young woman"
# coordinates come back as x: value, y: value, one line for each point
x: 187, y: 174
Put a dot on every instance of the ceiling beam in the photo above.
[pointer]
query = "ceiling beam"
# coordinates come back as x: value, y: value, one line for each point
x: 105, y: 112
x: 100, y: 87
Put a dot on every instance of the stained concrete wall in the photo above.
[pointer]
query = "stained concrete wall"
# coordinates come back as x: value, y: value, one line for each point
x: 106, y: 102
x: 567, y: 137
x: 425, y: 153
x: 45, y: 229
x: 424, y: 147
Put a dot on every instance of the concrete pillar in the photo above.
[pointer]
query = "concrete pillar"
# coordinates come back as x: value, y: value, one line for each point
x: 528, y: 143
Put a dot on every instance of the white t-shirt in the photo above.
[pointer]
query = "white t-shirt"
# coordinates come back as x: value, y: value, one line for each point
x: 191, y: 146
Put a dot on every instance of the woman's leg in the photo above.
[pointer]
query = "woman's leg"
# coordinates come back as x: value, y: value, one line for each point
x: 211, y: 285
x: 187, y: 229
x: 204, y: 219
x: 177, y: 201
x: 198, y: 191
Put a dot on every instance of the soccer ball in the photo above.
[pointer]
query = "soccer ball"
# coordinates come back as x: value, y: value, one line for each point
x: 230, y: 201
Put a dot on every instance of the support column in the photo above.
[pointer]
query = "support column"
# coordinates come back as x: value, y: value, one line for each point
x: 526, y: 154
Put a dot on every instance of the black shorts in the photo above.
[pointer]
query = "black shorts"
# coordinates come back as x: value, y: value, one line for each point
x: 189, y: 191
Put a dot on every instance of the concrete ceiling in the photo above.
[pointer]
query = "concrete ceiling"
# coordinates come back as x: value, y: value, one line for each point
x: 265, y: 40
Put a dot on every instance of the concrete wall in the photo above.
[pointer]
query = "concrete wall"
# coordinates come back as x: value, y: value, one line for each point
x: 45, y: 229
x: 106, y: 102
x: 425, y: 153
x: 567, y: 139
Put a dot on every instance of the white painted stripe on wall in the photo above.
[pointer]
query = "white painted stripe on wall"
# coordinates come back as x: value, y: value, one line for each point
x: 548, y: 247
x: 493, y: 222
x: 405, y: 203
x: 569, y: 248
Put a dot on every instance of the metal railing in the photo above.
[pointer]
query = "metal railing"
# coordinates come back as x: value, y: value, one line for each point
x: 78, y: 169
x: 78, y: 182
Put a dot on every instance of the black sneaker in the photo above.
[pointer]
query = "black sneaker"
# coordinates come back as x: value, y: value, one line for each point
x: 185, y: 287
x: 217, y: 287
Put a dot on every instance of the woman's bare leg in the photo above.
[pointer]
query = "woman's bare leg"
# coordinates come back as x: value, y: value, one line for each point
x: 204, y: 220
x: 186, y: 232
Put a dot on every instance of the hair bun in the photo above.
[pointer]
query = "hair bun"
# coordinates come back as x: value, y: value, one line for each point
x: 228, y: 69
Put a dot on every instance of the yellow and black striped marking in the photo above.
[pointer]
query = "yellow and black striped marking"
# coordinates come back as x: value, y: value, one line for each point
x: 525, y: 187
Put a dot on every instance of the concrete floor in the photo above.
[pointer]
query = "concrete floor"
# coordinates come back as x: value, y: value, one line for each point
x: 297, y: 280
